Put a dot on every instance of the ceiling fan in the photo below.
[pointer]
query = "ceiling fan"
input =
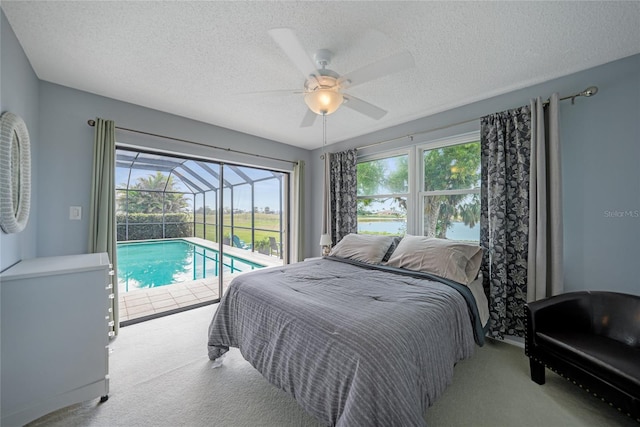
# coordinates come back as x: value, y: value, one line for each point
x: 324, y: 88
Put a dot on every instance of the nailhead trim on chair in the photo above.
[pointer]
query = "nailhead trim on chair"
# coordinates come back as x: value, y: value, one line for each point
x: 581, y: 386
x: 526, y: 352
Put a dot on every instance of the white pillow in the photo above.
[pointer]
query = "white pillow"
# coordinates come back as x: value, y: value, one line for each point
x: 367, y: 248
x: 451, y: 259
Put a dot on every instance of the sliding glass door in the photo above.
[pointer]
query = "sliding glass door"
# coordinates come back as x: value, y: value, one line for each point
x: 222, y: 219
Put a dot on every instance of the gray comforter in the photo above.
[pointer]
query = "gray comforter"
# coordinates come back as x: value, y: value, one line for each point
x: 354, y: 345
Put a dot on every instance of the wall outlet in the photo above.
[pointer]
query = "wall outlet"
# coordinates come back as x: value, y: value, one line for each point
x: 75, y: 212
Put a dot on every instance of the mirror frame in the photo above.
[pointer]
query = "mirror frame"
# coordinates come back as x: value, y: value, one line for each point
x: 15, y: 161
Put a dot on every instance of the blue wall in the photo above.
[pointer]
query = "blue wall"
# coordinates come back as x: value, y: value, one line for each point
x: 19, y: 95
x: 601, y: 172
x: 600, y: 140
x: 69, y: 141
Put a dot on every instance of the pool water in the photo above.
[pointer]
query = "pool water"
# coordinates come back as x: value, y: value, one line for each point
x: 162, y: 263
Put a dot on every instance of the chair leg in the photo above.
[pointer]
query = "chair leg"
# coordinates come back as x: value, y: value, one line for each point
x: 537, y: 372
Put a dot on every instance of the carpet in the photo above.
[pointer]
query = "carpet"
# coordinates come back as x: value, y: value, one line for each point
x: 161, y: 376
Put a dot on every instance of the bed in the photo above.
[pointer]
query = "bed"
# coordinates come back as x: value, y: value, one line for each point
x: 356, y: 340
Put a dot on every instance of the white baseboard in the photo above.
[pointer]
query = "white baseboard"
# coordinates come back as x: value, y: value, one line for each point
x: 510, y: 339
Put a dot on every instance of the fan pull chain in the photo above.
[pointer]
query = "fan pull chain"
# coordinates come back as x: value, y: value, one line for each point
x: 324, y: 131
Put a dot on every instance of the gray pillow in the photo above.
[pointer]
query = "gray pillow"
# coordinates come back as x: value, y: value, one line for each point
x: 367, y: 248
x: 451, y: 259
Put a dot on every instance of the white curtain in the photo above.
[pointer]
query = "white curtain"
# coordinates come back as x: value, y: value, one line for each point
x: 297, y: 214
x: 102, y: 213
x: 545, y: 272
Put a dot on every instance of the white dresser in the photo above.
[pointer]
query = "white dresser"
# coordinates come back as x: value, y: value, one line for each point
x: 54, y: 335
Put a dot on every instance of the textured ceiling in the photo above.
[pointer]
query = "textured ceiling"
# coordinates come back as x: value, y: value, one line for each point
x: 206, y: 60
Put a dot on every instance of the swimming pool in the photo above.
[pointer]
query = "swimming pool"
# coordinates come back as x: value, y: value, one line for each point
x: 161, y: 263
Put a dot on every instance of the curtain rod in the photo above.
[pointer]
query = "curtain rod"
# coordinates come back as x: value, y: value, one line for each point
x: 92, y: 123
x: 590, y: 91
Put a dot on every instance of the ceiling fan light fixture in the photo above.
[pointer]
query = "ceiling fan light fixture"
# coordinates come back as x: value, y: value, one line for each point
x: 323, y: 101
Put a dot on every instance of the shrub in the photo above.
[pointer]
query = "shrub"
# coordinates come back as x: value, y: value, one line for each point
x: 262, y: 246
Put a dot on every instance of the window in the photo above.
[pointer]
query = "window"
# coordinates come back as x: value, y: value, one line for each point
x: 445, y: 202
x: 383, y: 190
x: 450, y: 190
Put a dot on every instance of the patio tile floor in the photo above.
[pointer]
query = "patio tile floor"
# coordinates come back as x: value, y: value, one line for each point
x: 146, y: 302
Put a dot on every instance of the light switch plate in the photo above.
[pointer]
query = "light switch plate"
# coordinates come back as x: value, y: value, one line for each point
x: 75, y: 212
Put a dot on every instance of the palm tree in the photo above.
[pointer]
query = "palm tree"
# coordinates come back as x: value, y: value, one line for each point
x: 153, y: 194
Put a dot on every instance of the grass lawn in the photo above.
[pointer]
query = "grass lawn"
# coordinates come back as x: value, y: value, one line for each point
x: 266, y: 225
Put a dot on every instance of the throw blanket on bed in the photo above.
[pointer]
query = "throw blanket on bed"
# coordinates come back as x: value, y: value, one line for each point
x: 354, y: 346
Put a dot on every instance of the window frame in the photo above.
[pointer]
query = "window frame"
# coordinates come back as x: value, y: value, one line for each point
x: 421, y: 194
x: 415, y: 181
x: 409, y: 152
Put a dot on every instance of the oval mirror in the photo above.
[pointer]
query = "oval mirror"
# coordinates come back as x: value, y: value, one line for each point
x: 15, y: 173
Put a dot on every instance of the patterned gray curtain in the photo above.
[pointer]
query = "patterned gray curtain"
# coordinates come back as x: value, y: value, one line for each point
x: 504, y: 218
x: 343, y: 194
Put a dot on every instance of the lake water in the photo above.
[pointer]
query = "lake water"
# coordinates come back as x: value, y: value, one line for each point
x: 458, y: 230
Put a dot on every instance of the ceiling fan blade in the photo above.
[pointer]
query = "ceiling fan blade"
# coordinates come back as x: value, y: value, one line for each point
x: 291, y: 46
x: 364, y: 107
x: 385, y: 66
x: 309, y: 119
